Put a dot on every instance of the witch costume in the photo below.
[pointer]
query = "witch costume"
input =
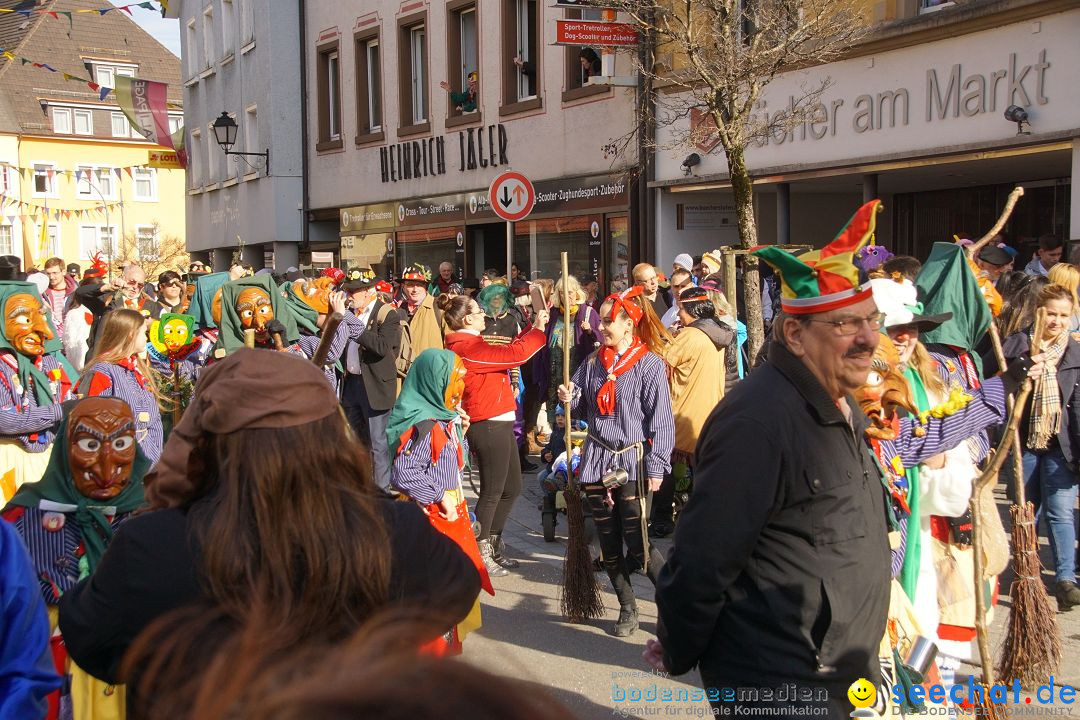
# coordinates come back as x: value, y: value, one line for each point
x: 67, y: 531
x: 35, y: 378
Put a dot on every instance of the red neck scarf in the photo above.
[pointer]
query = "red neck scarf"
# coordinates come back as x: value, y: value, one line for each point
x: 129, y: 363
x: 605, y: 399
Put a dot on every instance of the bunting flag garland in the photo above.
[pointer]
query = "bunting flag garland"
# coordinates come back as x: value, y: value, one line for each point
x: 102, y: 91
x: 116, y: 170
x: 32, y: 210
x: 95, y: 12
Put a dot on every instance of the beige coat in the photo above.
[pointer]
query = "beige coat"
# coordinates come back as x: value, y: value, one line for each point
x: 696, y: 370
x: 426, y: 327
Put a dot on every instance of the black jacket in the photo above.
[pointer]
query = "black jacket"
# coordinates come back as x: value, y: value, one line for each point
x: 152, y: 567
x: 379, y: 346
x: 780, y: 567
x: 1068, y: 377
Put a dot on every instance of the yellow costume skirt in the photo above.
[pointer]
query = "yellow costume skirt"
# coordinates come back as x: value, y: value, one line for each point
x: 17, y: 466
x: 91, y: 699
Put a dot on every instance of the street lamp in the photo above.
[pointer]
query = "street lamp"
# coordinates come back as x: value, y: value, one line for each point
x: 225, y: 134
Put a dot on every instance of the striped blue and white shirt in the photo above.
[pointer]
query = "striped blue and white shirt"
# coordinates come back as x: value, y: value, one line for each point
x: 117, y: 381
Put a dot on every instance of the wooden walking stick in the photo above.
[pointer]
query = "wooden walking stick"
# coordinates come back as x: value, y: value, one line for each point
x: 329, y: 328
x: 581, y: 599
x: 178, y: 396
x: 1031, y: 650
x: 249, y: 338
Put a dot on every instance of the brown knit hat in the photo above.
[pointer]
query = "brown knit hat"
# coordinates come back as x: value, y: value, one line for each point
x: 246, y: 390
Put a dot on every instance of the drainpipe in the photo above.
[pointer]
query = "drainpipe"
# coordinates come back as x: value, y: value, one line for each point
x: 646, y: 108
x: 305, y: 201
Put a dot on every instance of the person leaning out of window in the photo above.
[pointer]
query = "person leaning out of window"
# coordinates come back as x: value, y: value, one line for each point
x: 464, y: 101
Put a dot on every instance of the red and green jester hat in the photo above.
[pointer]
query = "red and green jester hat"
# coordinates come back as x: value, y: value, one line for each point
x: 825, y: 279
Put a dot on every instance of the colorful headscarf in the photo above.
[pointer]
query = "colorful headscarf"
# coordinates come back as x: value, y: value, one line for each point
x: 27, y: 368
x: 56, y: 485
x: 423, y: 395
x: 947, y: 284
x: 624, y: 301
x: 492, y: 292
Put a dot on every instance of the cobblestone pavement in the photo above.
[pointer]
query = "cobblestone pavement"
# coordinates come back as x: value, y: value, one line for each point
x: 525, y: 637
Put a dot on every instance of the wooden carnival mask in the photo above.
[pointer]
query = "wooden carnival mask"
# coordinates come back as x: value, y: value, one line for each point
x: 25, y: 324
x: 101, y: 446
x: 885, y: 390
x: 455, y: 388
x: 315, y: 293
x: 254, y: 308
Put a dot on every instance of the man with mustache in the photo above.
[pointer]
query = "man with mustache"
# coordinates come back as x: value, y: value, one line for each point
x: 35, y: 378
x: 779, y: 573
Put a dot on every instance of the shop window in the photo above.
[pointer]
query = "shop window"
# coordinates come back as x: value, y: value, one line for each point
x: 538, y: 245
x: 329, y: 91
x: 368, y: 88
x: 428, y: 247
x: 61, y: 118
x: 413, y: 76
x: 463, y: 55
x: 521, y: 46
x: 582, y: 62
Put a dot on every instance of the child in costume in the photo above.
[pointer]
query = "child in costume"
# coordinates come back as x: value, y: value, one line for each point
x: 622, y: 393
x: 428, y: 449
x: 91, y: 485
x: 35, y: 378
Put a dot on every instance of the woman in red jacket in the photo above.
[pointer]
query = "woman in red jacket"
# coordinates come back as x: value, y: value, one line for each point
x: 489, y: 403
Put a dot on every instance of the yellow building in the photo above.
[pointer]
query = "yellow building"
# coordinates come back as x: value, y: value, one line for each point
x: 74, y: 171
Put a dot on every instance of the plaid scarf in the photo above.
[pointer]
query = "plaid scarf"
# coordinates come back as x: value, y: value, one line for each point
x: 1045, y: 418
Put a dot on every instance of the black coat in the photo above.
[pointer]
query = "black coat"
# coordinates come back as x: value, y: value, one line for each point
x: 780, y: 567
x: 379, y: 346
x: 1068, y: 377
x: 151, y: 567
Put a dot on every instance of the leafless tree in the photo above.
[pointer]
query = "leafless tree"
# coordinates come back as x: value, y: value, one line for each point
x: 706, y: 64
x: 166, y: 252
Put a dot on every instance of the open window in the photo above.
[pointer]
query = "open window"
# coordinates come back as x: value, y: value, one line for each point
x: 328, y: 86
x: 462, y: 49
x: 582, y: 62
x: 521, y: 48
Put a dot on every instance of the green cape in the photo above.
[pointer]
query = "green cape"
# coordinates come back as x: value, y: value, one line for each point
x: 491, y: 293
x: 58, y: 486
x: 306, y: 317
x: 27, y: 369
x: 203, y: 299
x: 909, y: 573
x: 423, y: 395
x: 946, y: 284
x: 232, y: 331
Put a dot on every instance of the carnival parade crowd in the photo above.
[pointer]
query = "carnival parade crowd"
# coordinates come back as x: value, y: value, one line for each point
x: 237, y: 494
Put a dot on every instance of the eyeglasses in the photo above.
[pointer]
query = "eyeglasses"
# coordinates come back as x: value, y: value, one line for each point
x: 851, y: 326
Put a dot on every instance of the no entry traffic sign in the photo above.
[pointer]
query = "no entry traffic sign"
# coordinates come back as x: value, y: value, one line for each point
x: 511, y: 196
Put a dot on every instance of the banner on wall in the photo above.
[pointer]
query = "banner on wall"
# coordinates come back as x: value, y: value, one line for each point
x: 145, y: 103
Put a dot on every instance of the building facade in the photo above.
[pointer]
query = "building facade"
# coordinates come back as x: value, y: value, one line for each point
x: 401, y: 154
x: 242, y: 59
x: 75, y: 175
x: 913, y: 115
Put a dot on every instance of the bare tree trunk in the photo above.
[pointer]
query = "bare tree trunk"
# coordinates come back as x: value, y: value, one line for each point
x: 743, y: 191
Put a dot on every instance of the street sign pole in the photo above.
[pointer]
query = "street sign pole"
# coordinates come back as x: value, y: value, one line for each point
x: 509, y: 249
x: 511, y: 196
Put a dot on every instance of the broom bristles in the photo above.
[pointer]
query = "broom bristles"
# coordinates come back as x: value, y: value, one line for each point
x: 580, y: 597
x: 1031, y: 650
x: 987, y: 708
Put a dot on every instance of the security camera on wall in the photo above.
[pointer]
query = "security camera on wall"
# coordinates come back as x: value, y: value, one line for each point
x: 1018, y: 115
x: 692, y: 160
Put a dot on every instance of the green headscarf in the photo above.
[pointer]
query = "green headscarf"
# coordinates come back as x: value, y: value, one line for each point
x: 203, y: 299
x: 27, y: 369
x: 58, y: 486
x: 492, y: 292
x: 423, y: 395
x: 306, y: 316
x: 232, y: 331
x: 947, y: 284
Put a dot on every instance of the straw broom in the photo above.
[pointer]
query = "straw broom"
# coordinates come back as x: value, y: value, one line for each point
x: 580, y: 598
x: 1031, y: 650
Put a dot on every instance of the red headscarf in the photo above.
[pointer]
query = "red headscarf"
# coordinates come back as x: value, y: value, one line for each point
x: 623, y: 301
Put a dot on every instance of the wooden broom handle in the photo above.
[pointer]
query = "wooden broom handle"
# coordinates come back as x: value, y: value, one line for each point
x: 567, y: 335
x: 1010, y: 204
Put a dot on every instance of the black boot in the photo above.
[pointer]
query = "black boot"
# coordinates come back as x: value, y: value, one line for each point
x: 497, y: 548
x: 1068, y: 595
x: 493, y: 568
x: 627, y: 624
x: 526, y: 464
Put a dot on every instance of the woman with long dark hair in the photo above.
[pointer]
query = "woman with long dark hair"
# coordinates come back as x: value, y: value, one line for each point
x: 489, y: 403
x: 263, y: 497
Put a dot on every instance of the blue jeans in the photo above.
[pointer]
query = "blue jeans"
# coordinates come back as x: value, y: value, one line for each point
x: 1051, y: 485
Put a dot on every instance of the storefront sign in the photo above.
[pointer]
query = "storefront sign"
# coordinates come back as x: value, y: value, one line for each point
x: 431, y: 211
x: 587, y: 193
x: 690, y: 216
x: 477, y: 148
x: 367, y: 218
x: 595, y: 33
x: 164, y: 159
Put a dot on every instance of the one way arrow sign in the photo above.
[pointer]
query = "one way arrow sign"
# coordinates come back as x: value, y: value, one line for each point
x: 512, y: 196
